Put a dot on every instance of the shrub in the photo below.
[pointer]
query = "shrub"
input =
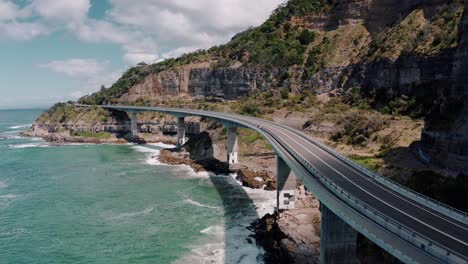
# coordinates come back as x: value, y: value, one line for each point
x: 307, y: 37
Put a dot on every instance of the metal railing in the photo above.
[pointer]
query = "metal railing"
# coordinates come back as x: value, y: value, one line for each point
x: 432, y: 248
x: 425, y: 244
x: 427, y: 201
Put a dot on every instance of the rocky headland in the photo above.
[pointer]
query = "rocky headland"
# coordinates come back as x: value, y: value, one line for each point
x: 383, y: 82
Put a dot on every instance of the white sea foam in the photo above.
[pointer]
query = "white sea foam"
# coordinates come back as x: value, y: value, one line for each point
x: 29, y: 145
x: 7, y: 136
x: 40, y: 143
x: 14, y: 232
x: 151, y: 153
x: 3, y: 185
x: 8, y: 197
x: 228, y: 243
x: 153, y: 150
x: 20, y: 126
x: 161, y: 145
x: 146, y: 211
x: 187, y: 172
x: 12, y: 132
x: 195, y: 203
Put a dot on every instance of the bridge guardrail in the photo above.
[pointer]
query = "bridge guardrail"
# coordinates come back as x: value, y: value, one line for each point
x: 430, y: 247
x: 427, y: 201
x: 416, y: 239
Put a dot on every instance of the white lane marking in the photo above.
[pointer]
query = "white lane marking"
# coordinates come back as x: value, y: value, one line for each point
x: 391, y: 193
x: 200, y: 112
x: 456, y: 239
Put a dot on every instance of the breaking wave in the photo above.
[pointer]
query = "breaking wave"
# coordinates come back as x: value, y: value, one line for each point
x: 20, y: 126
x: 195, y: 203
x: 29, y: 145
x: 133, y: 214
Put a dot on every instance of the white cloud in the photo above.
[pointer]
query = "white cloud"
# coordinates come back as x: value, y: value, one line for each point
x: 178, y: 24
x: 146, y: 30
x: 8, y: 10
x: 90, y: 73
x: 21, y: 31
x: 77, y: 68
x: 135, y: 58
x: 63, y: 10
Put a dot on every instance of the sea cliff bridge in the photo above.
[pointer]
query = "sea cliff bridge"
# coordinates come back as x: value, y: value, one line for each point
x: 408, y: 225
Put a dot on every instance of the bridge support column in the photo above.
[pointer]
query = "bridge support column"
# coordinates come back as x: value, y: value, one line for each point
x: 180, y: 131
x: 232, y: 147
x: 285, y: 185
x: 337, y: 239
x: 134, y: 124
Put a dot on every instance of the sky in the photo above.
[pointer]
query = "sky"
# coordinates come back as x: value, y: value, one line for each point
x: 59, y: 50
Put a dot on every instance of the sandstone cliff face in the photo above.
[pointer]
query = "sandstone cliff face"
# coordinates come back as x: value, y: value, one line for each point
x: 202, y: 79
x: 171, y: 82
x: 396, y: 72
x: 375, y: 14
x: 387, y: 48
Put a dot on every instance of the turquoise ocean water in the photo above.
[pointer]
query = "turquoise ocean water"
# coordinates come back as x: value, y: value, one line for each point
x: 116, y: 204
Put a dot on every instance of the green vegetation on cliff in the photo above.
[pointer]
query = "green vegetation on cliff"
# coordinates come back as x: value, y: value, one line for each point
x: 276, y: 43
x: 65, y: 113
x: 131, y: 77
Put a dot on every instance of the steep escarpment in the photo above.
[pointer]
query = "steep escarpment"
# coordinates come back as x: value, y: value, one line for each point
x: 400, y: 58
x: 445, y: 138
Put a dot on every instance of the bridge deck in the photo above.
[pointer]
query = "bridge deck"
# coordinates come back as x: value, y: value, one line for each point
x: 435, y: 226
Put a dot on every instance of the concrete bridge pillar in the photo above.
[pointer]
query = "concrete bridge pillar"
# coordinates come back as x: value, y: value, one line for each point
x: 337, y: 239
x: 180, y: 131
x: 134, y: 124
x: 232, y: 145
x: 286, y: 185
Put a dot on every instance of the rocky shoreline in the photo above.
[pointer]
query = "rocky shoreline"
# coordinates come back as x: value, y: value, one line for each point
x: 290, y: 236
x: 287, y: 237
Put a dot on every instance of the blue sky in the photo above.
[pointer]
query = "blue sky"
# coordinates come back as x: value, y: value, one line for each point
x: 58, y: 50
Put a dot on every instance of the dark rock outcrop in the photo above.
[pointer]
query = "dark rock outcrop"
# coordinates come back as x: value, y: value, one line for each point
x: 196, y: 153
x: 444, y: 140
x: 200, y: 147
x: 256, y: 180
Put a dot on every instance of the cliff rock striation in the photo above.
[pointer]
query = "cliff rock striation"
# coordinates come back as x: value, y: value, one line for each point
x: 380, y: 50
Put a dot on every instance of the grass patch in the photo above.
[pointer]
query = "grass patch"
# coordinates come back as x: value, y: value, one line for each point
x: 249, y: 136
x: 370, y: 163
x: 89, y: 134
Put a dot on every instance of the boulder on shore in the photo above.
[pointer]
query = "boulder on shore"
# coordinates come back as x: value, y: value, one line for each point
x: 256, y: 180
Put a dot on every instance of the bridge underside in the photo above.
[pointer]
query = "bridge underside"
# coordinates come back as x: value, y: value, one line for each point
x: 337, y: 239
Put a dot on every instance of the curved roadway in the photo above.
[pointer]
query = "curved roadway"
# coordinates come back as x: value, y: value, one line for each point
x: 303, y: 153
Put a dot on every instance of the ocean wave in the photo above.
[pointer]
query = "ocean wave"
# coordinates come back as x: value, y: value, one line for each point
x: 15, y: 232
x: 12, y: 132
x: 40, y: 143
x: 20, y: 126
x: 28, y: 145
x: 227, y: 243
x: 216, y: 230
x: 3, y: 185
x: 195, y: 203
x: 6, y: 136
x: 8, y: 196
x: 146, y: 149
x: 213, y: 248
x: 133, y: 214
x: 162, y: 145
x: 151, y: 154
